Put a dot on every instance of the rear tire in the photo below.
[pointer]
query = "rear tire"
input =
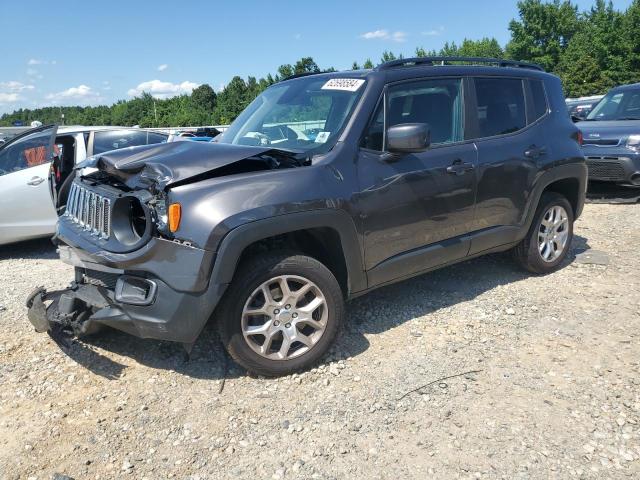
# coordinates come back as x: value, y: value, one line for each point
x: 281, y: 313
x: 549, y: 238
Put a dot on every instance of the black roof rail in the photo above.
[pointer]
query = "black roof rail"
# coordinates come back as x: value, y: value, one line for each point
x: 433, y: 61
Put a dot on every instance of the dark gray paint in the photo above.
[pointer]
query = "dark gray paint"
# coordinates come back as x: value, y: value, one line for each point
x: 395, y: 217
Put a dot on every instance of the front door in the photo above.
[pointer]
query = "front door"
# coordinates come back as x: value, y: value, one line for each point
x: 416, y: 208
x: 26, y: 209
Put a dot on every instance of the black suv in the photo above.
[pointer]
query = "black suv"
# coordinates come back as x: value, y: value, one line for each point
x: 612, y: 137
x: 325, y: 187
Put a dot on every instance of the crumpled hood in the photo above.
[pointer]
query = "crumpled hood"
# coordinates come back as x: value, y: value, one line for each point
x: 609, y: 129
x: 165, y: 164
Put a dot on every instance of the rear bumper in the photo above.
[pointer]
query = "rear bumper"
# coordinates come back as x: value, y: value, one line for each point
x: 618, y: 165
x: 162, y: 291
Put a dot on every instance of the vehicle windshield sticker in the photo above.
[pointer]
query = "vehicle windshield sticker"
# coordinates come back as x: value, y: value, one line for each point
x: 346, y: 84
x: 322, y: 137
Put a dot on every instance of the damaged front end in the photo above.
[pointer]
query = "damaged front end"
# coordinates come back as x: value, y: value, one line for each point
x: 66, y: 312
x: 133, y: 272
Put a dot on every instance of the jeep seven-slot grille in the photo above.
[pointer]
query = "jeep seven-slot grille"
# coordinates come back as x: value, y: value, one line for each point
x: 90, y: 210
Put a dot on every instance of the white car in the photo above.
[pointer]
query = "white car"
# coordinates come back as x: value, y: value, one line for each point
x: 26, y: 206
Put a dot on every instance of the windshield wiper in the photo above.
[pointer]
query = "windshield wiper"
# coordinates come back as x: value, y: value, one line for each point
x: 300, y: 158
x: 629, y: 118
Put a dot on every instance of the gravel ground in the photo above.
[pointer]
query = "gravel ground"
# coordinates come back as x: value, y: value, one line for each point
x: 555, y: 394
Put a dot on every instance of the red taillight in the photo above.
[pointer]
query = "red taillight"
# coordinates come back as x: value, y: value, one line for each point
x: 580, y: 138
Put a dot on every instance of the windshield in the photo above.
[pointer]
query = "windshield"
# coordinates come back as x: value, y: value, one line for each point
x: 304, y: 115
x: 620, y: 105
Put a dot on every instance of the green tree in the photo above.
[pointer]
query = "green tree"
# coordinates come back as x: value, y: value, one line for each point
x: 543, y: 31
x: 204, y: 97
x: 387, y: 56
x: 305, y: 65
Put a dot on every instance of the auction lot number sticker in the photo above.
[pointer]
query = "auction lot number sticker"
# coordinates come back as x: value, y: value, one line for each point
x: 346, y: 84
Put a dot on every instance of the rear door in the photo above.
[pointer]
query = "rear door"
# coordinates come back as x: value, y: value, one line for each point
x: 510, y: 150
x: 26, y: 209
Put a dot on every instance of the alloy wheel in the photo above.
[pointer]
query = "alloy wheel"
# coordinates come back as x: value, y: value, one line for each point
x: 553, y: 233
x: 284, y: 317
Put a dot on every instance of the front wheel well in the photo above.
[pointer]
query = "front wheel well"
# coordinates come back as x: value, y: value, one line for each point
x: 568, y: 188
x: 322, y: 243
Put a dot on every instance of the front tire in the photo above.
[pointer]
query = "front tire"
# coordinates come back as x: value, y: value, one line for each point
x: 549, y: 238
x: 281, y: 313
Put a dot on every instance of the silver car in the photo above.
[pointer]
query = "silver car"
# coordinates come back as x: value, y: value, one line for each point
x: 26, y: 207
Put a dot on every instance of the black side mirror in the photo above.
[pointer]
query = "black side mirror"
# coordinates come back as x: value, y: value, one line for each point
x: 408, y: 138
x: 576, y: 119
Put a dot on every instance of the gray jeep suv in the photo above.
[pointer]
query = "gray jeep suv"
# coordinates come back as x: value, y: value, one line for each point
x: 326, y: 187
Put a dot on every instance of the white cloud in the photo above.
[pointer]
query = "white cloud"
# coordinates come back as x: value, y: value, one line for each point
x: 10, y: 92
x: 435, y: 32
x: 399, y: 36
x: 81, y: 94
x: 375, y: 34
x: 35, y: 61
x: 160, y: 89
x: 163, y: 67
x: 383, y: 34
x: 13, y: 86
x: 8, y: 97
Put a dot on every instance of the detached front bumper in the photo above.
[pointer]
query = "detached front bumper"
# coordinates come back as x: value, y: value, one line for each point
x: 162, y: 292
x: 613, y: 164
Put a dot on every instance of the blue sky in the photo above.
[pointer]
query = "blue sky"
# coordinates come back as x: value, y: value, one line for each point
x: 87, y: 53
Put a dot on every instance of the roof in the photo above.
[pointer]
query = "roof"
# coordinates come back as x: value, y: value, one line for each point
x: 631, y: 86
x: 82, y: 128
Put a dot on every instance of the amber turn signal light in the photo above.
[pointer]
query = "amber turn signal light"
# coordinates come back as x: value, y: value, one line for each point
x: 175, y: 211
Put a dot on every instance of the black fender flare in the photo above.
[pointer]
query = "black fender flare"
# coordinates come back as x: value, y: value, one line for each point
x: 234, y: 242
x: 573, y: 171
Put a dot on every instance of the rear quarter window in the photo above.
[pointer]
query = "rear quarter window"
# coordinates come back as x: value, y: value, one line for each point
x: 540, y: 106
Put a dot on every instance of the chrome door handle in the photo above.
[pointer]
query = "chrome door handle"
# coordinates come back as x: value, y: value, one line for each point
x: 35, y: 181
x: 459, y: 168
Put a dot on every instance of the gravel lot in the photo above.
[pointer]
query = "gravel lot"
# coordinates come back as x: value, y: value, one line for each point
x: 556, y: 393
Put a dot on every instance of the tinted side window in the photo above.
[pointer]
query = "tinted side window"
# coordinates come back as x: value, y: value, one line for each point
x: 30, y: 151
x: 540, y: 106
x: 500, y: 105
x: 437, y: 102
x: 104, y: 141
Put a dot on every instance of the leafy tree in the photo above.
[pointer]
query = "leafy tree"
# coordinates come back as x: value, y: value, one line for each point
x: 285, y: 71
x: 204, y: 97
x: 232, y: 100
x: 543, y: 31
x: 485, y: 47
x: 306, y: 65
x: 367, y: 64
x: 387, y: 56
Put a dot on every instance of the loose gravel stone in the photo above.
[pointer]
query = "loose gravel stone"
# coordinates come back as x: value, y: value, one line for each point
x: 556, y: 393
